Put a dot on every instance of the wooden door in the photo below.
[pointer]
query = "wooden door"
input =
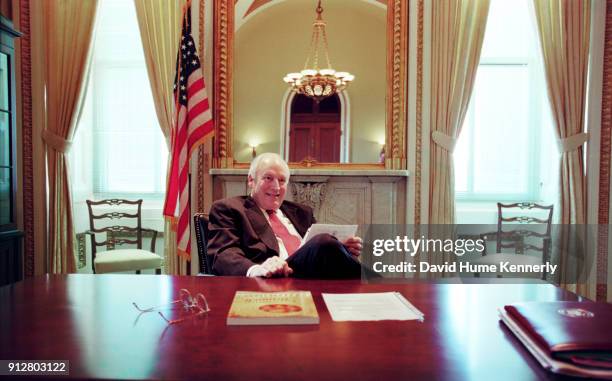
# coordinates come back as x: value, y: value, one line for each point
x: 315, y: 140
x: 315, y: 130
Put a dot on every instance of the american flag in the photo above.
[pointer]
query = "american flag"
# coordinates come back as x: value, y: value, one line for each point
x: 193, y: 123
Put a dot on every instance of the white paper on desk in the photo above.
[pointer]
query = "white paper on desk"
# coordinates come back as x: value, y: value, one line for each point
x: 342, y: 232
x: 370, y: 307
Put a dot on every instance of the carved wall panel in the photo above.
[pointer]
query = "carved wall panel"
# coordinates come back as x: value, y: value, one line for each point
x: 348, y: 203
x: 309, y: 193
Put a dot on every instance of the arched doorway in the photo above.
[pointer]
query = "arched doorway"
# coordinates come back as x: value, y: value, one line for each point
x: 315, y: 129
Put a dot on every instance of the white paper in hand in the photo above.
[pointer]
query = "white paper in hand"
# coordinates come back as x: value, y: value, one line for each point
x: 342, y: 232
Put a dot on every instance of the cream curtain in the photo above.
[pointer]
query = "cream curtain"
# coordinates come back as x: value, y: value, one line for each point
x: 564, y: 38
x: 457, y: 34
x: 160, y: 30
x: 68, y: 39
x: 564, y: 27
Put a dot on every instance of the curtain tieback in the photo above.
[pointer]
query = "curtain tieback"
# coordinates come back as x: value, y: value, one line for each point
x: 56, y: 142
x: 572, y: 143
x: 444, y: 141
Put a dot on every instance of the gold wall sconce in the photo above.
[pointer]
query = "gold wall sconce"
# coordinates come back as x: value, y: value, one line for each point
x: 253, y: 146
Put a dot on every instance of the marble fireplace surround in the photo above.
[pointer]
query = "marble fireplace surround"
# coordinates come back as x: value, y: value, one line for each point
x: 337, y: 196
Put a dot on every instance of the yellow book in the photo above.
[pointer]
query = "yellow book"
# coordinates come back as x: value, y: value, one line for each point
x: 268, y: 308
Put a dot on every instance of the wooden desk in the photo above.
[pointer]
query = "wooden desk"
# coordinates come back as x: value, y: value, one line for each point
x: 90, y: 321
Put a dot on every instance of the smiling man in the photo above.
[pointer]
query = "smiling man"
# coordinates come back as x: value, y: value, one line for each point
x: 260, y: 234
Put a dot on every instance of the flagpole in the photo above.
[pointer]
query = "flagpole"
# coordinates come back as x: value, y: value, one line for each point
x: 191, y: 125
x: 188, y: 264
x: 173, y: 136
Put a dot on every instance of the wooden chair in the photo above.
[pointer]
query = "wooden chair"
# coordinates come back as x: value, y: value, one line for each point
x: 519, y: 236
x: 127, y: 231
x: 201, y: 229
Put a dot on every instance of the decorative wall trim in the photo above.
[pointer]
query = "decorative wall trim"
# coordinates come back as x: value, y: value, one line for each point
x: 201, y: 167
x: 603, y: 217
x: 223, y: 63
x: 419, y: 115
x: 27, y: 163
x: 397, y: 44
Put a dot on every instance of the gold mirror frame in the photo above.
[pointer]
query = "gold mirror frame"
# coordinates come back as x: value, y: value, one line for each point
x: 395, y: 108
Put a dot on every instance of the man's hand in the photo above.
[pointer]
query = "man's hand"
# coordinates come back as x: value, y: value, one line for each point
x: 273, y: 266
x: 353, y: 245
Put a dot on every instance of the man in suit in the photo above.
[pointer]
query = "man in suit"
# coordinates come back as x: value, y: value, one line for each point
x: 260, y: 234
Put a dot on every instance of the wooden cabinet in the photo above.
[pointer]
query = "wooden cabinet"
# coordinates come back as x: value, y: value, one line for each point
x: 11, y: 262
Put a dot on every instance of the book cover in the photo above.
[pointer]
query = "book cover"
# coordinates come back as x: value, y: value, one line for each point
x: 272, y: 308
x: 566, y: 326
x: 566, y: 337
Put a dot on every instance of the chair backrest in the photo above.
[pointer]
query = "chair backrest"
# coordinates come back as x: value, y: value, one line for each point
x: 201, y: 229
x: 104, y: 220
x: 534, y: 236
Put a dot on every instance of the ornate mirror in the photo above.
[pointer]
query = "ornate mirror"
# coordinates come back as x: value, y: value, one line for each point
x: 259, y: 41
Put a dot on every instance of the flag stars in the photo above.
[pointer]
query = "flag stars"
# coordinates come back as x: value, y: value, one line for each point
x: 189, y: 64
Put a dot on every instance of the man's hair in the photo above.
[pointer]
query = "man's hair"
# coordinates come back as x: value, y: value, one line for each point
x: 265, y: 159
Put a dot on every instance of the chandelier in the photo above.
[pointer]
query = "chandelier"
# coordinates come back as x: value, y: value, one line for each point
x: 314, y: 82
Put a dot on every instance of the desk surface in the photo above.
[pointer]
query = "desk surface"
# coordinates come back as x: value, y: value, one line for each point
x: 90, y: 321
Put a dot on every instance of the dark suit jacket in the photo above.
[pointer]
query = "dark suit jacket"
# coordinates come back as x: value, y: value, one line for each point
x: 240, y: 235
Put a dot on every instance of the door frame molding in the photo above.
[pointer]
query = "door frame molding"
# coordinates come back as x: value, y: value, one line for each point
x: 345, y: 125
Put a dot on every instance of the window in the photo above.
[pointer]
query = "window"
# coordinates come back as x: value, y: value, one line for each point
x: 506, y: 146
x: 120, y: 149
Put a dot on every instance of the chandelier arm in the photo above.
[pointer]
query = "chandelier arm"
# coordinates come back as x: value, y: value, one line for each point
x: 325, y: 45
x: 316, y: 49
x: 312, y: 49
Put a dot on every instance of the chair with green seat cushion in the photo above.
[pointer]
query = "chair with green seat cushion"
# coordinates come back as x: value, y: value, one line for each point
x: 116, y: 222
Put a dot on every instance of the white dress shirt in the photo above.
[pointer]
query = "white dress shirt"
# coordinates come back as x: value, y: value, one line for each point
x: 282, y: 251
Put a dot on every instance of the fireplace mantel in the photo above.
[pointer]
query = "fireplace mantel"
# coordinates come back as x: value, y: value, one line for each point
x: 337, y: 196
